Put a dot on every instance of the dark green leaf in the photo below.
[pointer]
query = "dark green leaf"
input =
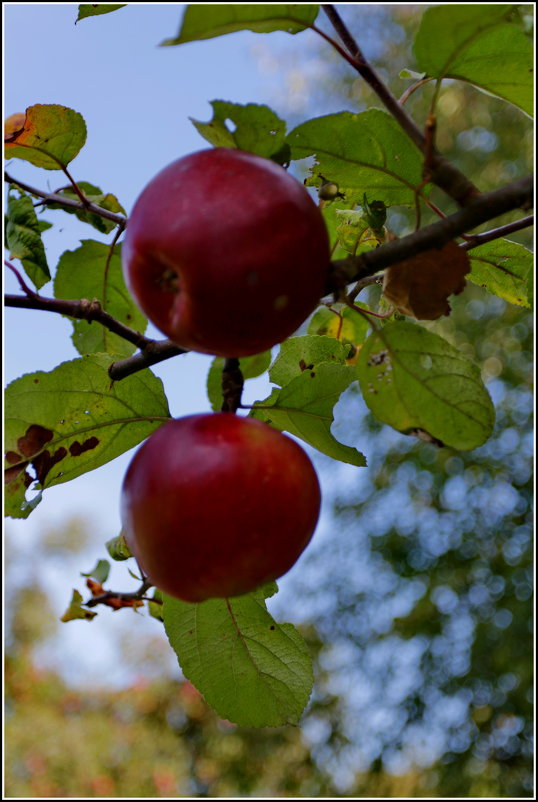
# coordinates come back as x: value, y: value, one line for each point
x: 94, y: 9
x: 94, y: 195
x: 23, y: 236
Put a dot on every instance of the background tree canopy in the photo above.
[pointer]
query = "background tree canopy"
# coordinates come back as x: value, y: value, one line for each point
x: 415, y: 597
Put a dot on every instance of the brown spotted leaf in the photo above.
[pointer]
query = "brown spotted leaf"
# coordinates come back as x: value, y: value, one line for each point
x: 420, y: 286
x: 62, y: 424
x: 48, y: 135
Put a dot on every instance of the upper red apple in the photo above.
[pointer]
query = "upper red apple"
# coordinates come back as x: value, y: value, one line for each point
x: 226, y: 253
x: 213, y: 505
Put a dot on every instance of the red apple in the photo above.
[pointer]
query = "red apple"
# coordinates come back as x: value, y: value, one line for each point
x: 213, y: 505
x: 226, y: 253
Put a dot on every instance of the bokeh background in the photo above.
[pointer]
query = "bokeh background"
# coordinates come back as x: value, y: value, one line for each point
x: 415, y: 595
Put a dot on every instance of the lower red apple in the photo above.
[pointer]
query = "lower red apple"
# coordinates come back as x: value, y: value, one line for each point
x: 226, y: 253
x: 214, y: 505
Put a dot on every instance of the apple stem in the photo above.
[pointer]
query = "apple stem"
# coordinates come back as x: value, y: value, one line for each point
x: 232, y: 385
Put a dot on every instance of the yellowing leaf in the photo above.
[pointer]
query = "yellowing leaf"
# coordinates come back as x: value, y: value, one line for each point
x: 50, y: 136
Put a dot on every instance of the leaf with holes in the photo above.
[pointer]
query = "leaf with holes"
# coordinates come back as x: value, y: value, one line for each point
x: 94, y: 271
x: 362, y: 153
x: 421, y: 385
x: 61, y: 424
x: 256, y: 129
x: 48, y: 135
x: 504, y: 268
x: 204, y: 21
x: 250, y: 669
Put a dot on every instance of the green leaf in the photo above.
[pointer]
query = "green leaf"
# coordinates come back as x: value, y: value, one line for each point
x: 419, y: 384
x: 118, y: 548
x: 155, y: 608
x: 349, y: 327
x: 256, y: 129
x: 76, y: 610
x: 250, y: 669
x: 366, y: 152
x: 504, y: 268
x: 204, y: 21
x: 251, y: 367
x: 72, y: 420
x: 94, y: 195
x: 94, y: 9
x: 100, y: 572
x: 23, y: 237
x: 50, y: 136
x: 482, y: 44
x: 94, y: 271
x: 304, y: 354
x: 304, y: 406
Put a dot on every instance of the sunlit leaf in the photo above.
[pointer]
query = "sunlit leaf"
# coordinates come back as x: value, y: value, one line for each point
x: 95, y: 271
x: 482, y: 44
x: 504, y: 268
x: 420, y: 384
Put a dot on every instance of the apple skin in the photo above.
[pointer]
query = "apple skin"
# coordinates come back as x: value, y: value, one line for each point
x: 226, y: 253
x: 213, y: 505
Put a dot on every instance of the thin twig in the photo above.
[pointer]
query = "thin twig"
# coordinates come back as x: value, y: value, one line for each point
x: 69, y: 203
x: 496, y: 233
x: 409, y: 91
x: 152, y: 354
x: 81, y: 310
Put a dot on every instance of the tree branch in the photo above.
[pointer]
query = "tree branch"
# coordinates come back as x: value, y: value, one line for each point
x: 442, y: 172
x: 517, y: 194
x: 81, y: 310
x: 69, y: 203
x: 153, y: 353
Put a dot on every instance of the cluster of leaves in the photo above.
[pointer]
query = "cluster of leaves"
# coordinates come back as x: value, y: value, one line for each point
x: 410, y: 377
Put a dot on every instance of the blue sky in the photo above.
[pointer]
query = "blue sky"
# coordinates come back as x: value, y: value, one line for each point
x: 136, y: 99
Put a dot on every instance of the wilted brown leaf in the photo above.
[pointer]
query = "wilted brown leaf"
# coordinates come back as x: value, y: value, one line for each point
x: 420, y: 286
